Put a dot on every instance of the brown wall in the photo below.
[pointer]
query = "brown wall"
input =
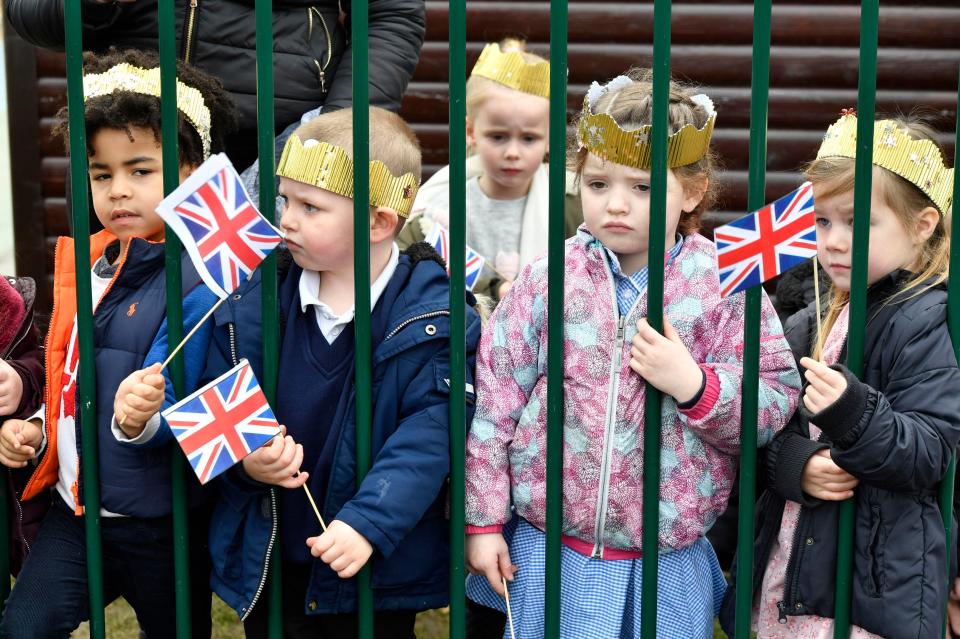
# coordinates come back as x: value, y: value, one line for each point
x: 813, y: 75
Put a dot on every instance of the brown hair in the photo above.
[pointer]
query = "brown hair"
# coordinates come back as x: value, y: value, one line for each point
x: 392, y: 141
x: 479, y: 89
x: 835, y: 175
x: 632, y: 107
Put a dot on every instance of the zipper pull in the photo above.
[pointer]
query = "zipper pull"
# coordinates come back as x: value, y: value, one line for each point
x: 620, y: 326
x: 323, y: 81
x: 782, y: 607
x: 193, y: 4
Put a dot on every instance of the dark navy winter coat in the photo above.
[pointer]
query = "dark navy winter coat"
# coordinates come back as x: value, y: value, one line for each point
x: 401, y: 508
x: 896, y: 431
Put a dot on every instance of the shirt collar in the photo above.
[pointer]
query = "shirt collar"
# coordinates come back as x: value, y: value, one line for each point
x: 615, y: 262
x: 310, y: 286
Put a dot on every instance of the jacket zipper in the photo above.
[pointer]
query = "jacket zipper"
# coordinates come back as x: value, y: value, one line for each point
x: 188, y: 41
x: 407, y: 322
x: 792, y: 574
x: 321, y: 69
x: 608, y: 442
x: 273, y: 502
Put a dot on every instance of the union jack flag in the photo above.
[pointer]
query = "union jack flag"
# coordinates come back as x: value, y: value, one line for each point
x: 223, y: 422
x: 766, y: 243
x: 439, y: 239
x: 225, y: 235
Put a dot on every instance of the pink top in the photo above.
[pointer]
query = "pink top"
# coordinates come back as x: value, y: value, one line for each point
x: 766, y: 615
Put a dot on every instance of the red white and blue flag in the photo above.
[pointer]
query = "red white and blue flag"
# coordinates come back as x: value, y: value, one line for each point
x: 223, y: 422
x: 224, y: 233
x: 766, y: 243
x: 439, y: 239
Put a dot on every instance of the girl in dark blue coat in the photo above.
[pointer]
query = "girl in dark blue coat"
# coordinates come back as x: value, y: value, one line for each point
x: 883, y: 439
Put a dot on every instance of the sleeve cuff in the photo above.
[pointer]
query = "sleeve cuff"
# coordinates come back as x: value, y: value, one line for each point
x: 840, y: 419
x: 40, y: 416
x: 791, y: 460
x: 149, y: 430
x: 483, y: 530
x: 701, y: 405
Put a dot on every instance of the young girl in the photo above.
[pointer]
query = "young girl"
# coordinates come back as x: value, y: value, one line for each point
x: 611, y: 353
x: 508, y: 117
x: 884, y: 439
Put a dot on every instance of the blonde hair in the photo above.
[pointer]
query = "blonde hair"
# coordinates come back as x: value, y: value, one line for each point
x: 479, y: 89
x: 632, y: 107
x: 835, y: 175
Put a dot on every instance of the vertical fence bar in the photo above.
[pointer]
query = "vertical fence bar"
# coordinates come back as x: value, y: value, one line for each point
x: 359, y: 34
x: 263, y: 14
x: 457, y: 20
x: 866, y: 108
x: 760, y: 85
x: 166, y: 27
x: 73, y: 31
x: 7, y: 548
x: 953, y: 323
x: 559, y: 19
x: 656, y: 235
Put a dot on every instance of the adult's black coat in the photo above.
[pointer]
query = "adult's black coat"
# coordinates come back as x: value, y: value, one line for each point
x: 312, y: 64
x: 895, y: 431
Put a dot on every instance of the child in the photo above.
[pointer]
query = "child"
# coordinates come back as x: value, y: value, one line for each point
x: 611, y: 353
x: 508, y: 118
x: 21, y: 392
x: 122, y: 119
x: 886, y: 438
x: 396, y: 519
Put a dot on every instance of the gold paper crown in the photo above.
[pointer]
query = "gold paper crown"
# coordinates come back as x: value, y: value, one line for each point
x: 126, y: 77
x: 510, y: 69
x: 600, y: 134
x: 917, y: 161
x: 329, y: 167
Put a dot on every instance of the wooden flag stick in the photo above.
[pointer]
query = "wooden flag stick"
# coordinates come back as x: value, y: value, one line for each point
x: 123, y: 418
x: 506, y: 595
x: 316, y: 510
x: 816, y: 294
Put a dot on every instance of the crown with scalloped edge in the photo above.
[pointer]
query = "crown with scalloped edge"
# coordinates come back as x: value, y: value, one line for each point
x: 511, y: 70
x: 328, y: 167
x: 600, y: 134
x: 917, y: 161
x: 126, y: 77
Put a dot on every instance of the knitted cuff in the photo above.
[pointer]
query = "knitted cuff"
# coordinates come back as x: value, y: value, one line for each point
x: 841, y: 417
x: 791, y: 460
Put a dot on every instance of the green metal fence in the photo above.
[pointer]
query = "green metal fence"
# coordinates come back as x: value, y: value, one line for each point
x: 558, y: 122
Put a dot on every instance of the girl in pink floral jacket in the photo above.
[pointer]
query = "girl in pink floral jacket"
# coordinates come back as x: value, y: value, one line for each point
x: 610, y: 352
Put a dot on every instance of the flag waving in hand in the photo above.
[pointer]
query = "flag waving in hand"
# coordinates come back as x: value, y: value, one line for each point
x: 764, y: 244
x: 223, y: 422
x: 224, y: 233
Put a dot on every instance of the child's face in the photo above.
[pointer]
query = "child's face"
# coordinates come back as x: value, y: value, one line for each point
x: 616, y: 208
x: 510, y: 134
x: 126, y: 181
x: 317, y: 225
x: 891, y: 245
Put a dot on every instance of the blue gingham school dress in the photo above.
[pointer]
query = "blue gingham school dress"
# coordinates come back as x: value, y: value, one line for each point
x: 600, y: 599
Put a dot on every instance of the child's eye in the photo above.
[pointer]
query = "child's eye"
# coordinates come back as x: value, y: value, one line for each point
x: 822, y: 222
x: 531, y: 138
x: 643, y: 188
x: 596, y: 185
x: 309, y: 208
x: 142, y: 172
x: 100, y: 177
x: 496, y: 137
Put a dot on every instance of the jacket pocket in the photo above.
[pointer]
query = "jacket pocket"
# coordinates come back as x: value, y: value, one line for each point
x: 875, y: 577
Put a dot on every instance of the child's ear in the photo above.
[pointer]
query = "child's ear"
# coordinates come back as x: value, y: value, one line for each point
x: 693, y: 194
x: 471, y: 138
x: 186, y: 169
x: 383, y: 224
x: 927, y: 221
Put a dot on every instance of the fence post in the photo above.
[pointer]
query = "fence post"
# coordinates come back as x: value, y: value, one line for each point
x: 760, y: 84
x: 863, y: 183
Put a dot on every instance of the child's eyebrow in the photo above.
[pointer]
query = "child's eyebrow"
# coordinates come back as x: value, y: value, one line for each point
x: 132, y: 161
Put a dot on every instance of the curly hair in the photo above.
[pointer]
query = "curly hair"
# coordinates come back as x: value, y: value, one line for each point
x: 124, y: 110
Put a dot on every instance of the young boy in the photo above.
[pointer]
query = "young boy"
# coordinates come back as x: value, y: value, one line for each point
x: 122, y: 120
x: 396, y: 519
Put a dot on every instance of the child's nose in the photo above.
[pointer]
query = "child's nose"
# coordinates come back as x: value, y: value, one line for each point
x: 513, y: 149
x: 617, y: 203
x: 837, y: 240
x: 119, y: 188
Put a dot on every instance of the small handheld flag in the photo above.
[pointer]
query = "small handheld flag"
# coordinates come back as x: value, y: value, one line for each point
x: 224, y: 234
x: 439, y: 239
x: 223, y: 422
x: 764, y: 244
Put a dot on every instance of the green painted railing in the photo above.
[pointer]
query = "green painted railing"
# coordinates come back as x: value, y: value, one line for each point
x: 555, y: 405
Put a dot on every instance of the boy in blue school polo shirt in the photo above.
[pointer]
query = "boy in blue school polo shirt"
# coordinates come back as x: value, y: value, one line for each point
x: 396, y: 520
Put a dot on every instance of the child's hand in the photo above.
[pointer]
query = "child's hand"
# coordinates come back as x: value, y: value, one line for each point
x: 823, y: 479
x: 138, y: 399
x: 665, y: 362
x: 487, y: 554
x: 277, y: 462
x: 825, y: 385
x: 504, y: 288
x: 342, y: 548
x: 19, y: 440
x: 11, y: 388
x: 953, y: 609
